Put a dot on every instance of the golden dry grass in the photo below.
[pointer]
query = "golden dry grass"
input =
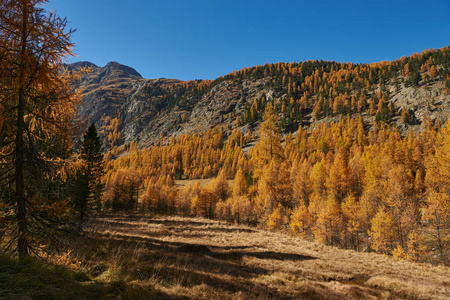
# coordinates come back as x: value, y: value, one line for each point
x: 180, y: 184
x: 193, y: 258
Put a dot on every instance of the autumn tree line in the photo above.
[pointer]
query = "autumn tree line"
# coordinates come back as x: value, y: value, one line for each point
x: 351, y: 183
x: 335, y: 183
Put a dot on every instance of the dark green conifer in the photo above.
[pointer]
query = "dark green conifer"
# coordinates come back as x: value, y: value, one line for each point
x: 88, y: 187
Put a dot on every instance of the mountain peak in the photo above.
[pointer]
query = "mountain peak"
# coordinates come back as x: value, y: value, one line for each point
x: 128, y: 71
x: 112, y: 68
x: 84, y: 64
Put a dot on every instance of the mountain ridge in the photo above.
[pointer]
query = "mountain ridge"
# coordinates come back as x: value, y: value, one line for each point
x: 303, y: 93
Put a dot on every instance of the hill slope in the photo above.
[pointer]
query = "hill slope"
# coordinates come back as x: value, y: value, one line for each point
x: 303, y: 93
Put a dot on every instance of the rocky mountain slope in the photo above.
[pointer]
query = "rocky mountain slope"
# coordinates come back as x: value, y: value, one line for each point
x: 105, y: 89
x: 151, y: 109
x: 144, y: 104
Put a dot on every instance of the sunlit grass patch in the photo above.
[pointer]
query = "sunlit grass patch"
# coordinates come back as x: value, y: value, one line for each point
x: 172, y: 257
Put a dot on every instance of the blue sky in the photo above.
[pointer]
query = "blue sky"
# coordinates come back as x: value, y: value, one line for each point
x: 204, y: 39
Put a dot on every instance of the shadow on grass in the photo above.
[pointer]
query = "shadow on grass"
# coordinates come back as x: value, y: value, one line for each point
x: 188, y: 264
x: 261, y: 255
x: 126, y: 222
x: 151, y: 253
x: 38, y: 279
x: 192, y: 277
x: 145, y: 255
x: 148, y: 220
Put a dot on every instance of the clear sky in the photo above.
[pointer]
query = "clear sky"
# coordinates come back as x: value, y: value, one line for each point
x: 204, y: 39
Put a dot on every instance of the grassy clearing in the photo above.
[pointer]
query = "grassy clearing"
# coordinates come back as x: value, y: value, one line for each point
x: 167, y: 257
x: 180, y: 184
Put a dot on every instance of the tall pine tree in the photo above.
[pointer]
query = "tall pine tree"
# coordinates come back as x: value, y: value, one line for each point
x: 88, y: 187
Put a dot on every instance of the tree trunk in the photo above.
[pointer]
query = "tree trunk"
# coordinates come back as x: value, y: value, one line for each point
x: 22, y: 245
x: 439, y: 241
x: 20, y: 186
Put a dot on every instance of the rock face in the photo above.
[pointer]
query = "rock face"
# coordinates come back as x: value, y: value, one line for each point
x: 428, y: 100
x: 105, y: 89
x: 145, y: 105
x: 220, y: 106
x: 154, y: 108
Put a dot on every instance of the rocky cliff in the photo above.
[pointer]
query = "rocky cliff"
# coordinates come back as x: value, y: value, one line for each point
x: 151, y: 109
x: 105, y: 89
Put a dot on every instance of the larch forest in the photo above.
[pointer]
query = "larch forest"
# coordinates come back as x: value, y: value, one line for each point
x: 332, y: 159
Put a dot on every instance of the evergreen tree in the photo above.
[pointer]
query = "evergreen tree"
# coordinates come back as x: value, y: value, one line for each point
x: 88, y: 184
x: 414, y: 79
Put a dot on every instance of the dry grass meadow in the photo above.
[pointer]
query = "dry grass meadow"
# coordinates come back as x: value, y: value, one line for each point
x: 136, y: 256
x: 178, y: 258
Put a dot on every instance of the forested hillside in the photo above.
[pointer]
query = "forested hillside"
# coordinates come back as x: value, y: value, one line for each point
x: 109, y: 182
x: 362, y: 173
x: 399, y: 93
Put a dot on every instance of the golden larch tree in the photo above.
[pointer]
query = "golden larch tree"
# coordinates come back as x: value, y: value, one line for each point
x: 269, y: 146
x: 382, y: 232
x: 36, y: 101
